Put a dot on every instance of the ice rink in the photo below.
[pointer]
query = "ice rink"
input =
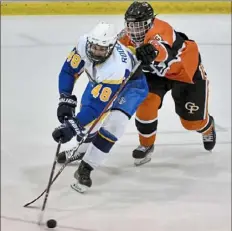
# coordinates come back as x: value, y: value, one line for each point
x: 183, y: 188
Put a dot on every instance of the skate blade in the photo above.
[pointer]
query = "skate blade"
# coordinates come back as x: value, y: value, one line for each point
x: 79, y: 187
x: 145, y: 160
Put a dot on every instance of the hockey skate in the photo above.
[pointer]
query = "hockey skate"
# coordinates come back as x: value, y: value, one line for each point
x: 82, y: 175
x: 209, y: 140
x: 72, y: 154
x: 142, y: 154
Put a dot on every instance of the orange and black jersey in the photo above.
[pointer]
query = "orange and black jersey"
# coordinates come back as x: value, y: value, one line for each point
x: 178, y: 57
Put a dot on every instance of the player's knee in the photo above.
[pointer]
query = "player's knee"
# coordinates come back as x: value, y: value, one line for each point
x: 104, y: 140
x: 146, y: 119
x: 193, y: 125
x: 116, y: 122
x: 111, y: 130
x: 148, y: 109
x: 146, y: 127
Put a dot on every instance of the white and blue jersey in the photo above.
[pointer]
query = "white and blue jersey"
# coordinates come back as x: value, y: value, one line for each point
x: 104, y: 80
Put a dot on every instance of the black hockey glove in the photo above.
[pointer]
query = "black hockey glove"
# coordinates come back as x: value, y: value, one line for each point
x: 146, y: 53
x: 66, y: 107
x: 67, y: 130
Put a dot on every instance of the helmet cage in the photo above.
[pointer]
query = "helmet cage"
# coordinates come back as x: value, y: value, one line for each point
x: 137, y: 30
x: 97, y: 56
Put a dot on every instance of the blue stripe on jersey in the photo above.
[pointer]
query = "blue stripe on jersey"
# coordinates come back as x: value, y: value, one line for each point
x: 66, y: 82
x: 127, y: 73
x: 72, y: 67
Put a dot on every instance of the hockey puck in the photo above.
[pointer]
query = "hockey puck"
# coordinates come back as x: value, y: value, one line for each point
x: 51, y: 223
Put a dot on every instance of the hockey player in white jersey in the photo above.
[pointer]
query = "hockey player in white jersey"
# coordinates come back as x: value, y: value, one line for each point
x: 107, y: 63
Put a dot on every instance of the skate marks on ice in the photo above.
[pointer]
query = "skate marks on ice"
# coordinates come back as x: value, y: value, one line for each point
x: 40, y: 43
x: 126, y: 146
x: 218, y: 127
x: 177, y: 176
x: 33, y: 225
x: 167, y: 156
x: 167, y: 177
x: 181, y: 137
x: 171, y: 178
x: 35, y: 41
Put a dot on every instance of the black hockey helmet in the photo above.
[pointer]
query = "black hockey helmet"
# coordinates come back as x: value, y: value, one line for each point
x: 138, y: 19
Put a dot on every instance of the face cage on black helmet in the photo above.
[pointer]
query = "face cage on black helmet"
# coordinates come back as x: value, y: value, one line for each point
x: 96, y: 58
x: 137, y: 30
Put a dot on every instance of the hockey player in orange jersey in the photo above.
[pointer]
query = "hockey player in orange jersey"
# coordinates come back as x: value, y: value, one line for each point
x: 171, y: 61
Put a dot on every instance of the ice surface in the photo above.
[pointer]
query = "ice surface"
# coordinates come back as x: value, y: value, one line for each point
x: 183, y: 188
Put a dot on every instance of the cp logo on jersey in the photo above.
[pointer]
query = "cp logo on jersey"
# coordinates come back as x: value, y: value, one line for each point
x: 191, y: 107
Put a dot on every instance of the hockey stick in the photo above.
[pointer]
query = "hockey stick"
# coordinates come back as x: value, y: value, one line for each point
x: 49, y: 184
x: 137, y: 65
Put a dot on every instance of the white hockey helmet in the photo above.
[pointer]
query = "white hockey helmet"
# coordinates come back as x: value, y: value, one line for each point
x: 100, y: 42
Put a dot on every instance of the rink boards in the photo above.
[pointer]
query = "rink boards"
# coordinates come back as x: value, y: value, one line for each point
x: 111, y: 7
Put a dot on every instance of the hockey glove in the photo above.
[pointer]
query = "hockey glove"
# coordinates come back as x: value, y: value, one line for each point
x: 146, y: 53
x: 66, y: 107
x: 67, y: 130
